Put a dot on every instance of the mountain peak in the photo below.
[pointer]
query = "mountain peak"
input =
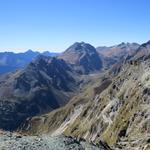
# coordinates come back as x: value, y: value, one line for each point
x: 29, y: 51
x: 84, y: 56
x: 81, y: 46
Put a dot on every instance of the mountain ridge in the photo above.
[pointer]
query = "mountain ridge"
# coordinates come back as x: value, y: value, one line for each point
x: 10, y: 61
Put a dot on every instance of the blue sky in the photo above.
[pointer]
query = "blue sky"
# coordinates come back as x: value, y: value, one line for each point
x: 55, y: 24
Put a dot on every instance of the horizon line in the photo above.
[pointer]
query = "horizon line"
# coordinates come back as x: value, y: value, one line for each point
x: 16, y: 51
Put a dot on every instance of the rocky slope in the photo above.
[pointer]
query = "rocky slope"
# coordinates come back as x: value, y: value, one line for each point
x: 116, y: 112
x: 45, y: 84
x: 14, y: 141
x: 83, y: 57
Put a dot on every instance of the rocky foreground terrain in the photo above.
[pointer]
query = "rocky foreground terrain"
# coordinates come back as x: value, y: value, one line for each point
x: 15, y: 141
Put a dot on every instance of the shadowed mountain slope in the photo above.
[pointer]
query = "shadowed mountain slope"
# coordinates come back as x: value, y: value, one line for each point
x: 45, y: 84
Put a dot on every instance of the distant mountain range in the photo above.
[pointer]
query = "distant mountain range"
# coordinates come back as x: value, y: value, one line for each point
x: 116, y: 53
x: 118, y: 50
x: 10, y: 61
x: 83, y: 56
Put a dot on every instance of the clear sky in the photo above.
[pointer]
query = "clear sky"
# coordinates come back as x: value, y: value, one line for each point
x: 55, y: 24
